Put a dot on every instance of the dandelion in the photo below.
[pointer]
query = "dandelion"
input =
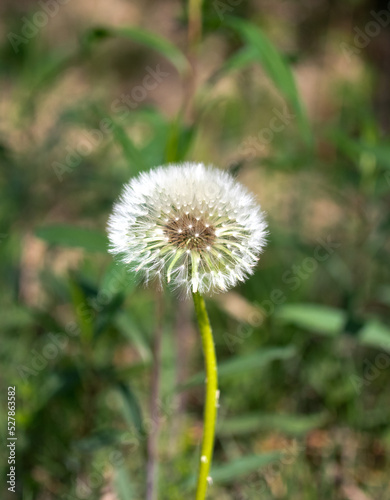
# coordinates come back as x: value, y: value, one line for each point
x: 192, y: 226
x: 197, y: 228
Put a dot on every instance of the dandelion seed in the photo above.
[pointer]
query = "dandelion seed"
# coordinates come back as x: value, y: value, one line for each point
x: 196, y: 250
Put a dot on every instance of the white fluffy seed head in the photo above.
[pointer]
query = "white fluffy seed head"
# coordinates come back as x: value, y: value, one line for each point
x: 162, y: 226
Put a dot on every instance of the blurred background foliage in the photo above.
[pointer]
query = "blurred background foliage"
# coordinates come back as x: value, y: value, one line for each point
x: 293, y: 98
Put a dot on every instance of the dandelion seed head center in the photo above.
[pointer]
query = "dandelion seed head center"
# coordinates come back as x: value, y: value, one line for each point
x: 189, y: 232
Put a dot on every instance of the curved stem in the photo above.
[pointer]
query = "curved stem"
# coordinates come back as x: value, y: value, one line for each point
x: 210, y: 410
x: 153, y: 435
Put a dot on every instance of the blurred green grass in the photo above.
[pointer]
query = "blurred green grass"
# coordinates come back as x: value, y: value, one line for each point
x: 303, y: 345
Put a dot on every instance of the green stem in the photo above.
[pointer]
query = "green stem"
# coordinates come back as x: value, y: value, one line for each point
x: 210, y: 410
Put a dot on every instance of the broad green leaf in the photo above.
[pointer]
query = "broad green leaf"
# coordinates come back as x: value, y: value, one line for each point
x: 375, y: 334
x: 242, y: 364
x: 74, y: 236
x: 255, y: 360
x: 253, y: 422
x: 230, y: 472
x: 147, y: 38
x: 277, y: 68
x: 313, y: 317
